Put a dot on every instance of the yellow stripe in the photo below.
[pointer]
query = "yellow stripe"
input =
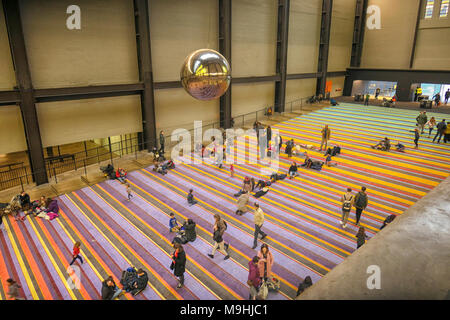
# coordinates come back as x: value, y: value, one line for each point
x: 107, y: 239
x: 243, y: 224
x: 21, y: 262
x: 148, y: 226
x: 54, y: 263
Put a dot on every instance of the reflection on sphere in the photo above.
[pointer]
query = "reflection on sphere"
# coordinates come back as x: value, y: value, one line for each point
x: 205, y: 74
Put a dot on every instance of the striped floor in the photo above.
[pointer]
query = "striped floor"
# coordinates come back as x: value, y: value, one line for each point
x: 302, y: 215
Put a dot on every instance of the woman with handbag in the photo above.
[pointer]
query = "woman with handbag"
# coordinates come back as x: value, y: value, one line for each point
x: 178, y: 263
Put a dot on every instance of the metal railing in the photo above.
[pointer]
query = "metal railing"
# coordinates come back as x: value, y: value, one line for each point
x: 20, y: 174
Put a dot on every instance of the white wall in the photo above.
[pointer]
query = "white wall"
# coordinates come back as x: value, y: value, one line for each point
x: 102, y: 52
x: 79, y: 120
x: 304, y: 34
x: 12, y: 134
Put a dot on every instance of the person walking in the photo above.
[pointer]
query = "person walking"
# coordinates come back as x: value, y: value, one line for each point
x: 447, y: 96
x: 258, y: 218
x: 162, y: 141
x: 326, y: 132
x: 360, y: 237
x: 416, y: 138
x: 129, y: 194
x: 366, y: 100
x: 447, y: 132
x: 76, y: 253
x: 441, y: 126
x: 430, y: 125
x: 13, y: 290
x: 254, y: 278
x: 265, y: 262
x: 242, y: 203
x: 178, y: 263
x: 231, y: 170
x: 219, y: 229
x: 269, y: 135
x: 377, y: 93
x: 421, y: 121
x: 437, y: 99
x: 360, y: 203
x: 347, y: 203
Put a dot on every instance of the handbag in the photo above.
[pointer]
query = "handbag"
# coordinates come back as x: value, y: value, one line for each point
x: 263, y: 291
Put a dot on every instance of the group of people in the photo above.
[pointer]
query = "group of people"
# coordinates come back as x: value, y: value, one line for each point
x: 442, y: 128
x: 44, y: 207
x: 133, y: 281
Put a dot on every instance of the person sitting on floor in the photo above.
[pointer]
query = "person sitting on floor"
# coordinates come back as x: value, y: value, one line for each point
x: 400, y: 147
x: 388, y: 220
x: 261, y: 192
x: 134, y: 281
x: 121, y: 175
x: 190, y: 198
x: 173, y: 224
x: 304, y: 285
x: 189, y: 229
x: 169, y: 164
x: 247, y: 187
x: 52, y: 208
x: 242, y: 203
x: 308, y: 162
x: 108, y: 171
x: 293, y: 170
x: 109, y: 289
x: 333, y: 152
x: 159, y: 169
x: 329, y: 162
x: 383, y: 145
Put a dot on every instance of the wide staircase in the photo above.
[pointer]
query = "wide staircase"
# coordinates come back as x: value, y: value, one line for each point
x: 302, y: 215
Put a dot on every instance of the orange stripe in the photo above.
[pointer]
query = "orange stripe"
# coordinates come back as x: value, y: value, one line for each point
x: 35, y: 270
x: 3, y: 272
x: 60, y: 255
x: 93, y: 253
x: 131, y: 250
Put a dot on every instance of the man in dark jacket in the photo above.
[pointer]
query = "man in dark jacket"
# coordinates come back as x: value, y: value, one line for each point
x: 189, y: 228
x: 360, y: 203
x: 140, y: 282
x: 109, y: 289
x: 388, y: 220
x: 441, y: 126
x: 304, y: 285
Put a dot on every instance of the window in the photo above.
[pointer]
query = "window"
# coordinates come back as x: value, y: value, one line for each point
x: 444, y: 9
x: 429, y: 9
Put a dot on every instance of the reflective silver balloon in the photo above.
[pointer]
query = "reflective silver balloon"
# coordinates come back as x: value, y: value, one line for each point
x: 205, y: 74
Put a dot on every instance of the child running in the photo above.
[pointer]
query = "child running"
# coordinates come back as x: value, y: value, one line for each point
x: 129, y: 194
x: 76, y: 252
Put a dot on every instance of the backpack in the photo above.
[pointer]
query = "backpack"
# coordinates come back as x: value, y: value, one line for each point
x: 347, y: 205
x: 273, y: 284
x: 361, y: 200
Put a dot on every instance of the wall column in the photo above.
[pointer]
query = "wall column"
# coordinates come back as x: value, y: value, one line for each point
x: 225, y: 50
x: 27, y: 101
x: 282, y: 46
x: 143, y: 44
x: 325, y: 27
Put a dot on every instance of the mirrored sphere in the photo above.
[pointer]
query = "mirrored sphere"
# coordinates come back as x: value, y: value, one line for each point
x: 205, y: 74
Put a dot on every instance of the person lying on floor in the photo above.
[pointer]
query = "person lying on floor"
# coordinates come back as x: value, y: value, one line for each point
x: 108, y: 171
x: 262, y: 184
x: 109, y: 289
x: 159, y: 169
x: 388, y: 220
x: 275, y: 177
x: 169, y: 164
x: 261, y: 192
x: 121, y: 175
x: 307, y: 146
x: 400, y: 147
x: 333, y: 152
